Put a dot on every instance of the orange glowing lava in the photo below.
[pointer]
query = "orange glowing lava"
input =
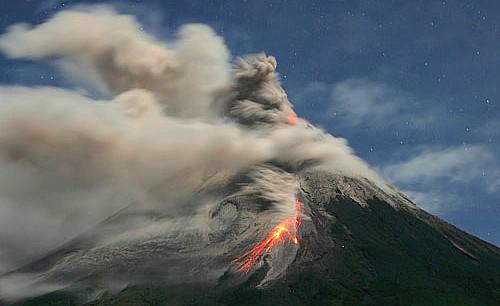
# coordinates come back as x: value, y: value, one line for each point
x: 292, y: 119
x: 286, y: 230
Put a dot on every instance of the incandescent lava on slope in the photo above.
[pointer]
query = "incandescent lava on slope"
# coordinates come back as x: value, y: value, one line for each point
x: 285, y: 232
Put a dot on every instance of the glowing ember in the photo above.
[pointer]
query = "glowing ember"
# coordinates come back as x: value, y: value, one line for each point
x: 293, y: 119
x: 285, y: 231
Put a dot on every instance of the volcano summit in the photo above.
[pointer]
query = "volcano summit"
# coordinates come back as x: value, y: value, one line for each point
x: 192, y: 181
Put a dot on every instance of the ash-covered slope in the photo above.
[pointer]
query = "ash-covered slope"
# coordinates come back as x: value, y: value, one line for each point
x: 359, y: 246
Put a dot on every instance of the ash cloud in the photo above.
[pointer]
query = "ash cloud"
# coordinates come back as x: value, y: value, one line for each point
x: 181, y: 121
x: 111, y: 51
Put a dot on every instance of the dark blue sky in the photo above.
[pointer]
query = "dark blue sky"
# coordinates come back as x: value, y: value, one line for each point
x: 413, y: 85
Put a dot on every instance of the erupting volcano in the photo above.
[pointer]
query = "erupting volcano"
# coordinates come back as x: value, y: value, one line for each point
x: 188, y: 184
x: 285, y: 231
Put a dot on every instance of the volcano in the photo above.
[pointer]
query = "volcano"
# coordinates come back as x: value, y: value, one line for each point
x: 235, y: 199
x: 278, y: 233
x: 358, y: 246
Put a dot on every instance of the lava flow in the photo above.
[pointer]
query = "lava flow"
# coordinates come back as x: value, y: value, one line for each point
x: 286, y: 230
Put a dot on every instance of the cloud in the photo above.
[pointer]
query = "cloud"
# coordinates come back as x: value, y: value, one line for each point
x: 461, y: 164
x: 111, y: 51
x: 69, y: 161
x: 435, y: 202
x: 356, y: 102
x: 180, y: 121
x: 436, y: 178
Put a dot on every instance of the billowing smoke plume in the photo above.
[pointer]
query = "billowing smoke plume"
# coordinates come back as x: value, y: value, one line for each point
x: 112, y: 51
x: 181, y: 123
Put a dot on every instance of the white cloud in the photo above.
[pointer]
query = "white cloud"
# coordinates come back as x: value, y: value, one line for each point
x: 436, y: 177
x: 454, y: 164
x: 435, y: 202
x: 361, y: 100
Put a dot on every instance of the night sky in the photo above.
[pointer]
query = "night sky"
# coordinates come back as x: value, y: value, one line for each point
x: 412, y: 85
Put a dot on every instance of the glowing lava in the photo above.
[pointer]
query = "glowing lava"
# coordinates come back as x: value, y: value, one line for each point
x: 286, y: 230
x: 292, y: 119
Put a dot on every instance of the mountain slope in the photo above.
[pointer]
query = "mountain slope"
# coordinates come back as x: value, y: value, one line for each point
x: 360, y: 246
